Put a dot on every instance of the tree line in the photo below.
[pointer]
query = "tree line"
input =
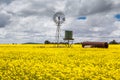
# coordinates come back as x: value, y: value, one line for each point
x: 48, y: 42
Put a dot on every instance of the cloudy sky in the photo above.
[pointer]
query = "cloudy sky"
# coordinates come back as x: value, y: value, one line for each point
x: 32, y: 20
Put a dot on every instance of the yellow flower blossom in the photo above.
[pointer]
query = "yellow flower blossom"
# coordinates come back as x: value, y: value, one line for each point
x: 46, y: 62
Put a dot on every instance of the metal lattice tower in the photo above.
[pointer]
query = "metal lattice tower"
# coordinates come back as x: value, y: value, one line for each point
x: 58, y: 18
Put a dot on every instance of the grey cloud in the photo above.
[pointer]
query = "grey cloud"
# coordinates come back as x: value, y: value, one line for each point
x: 6, y: 1
x: 116, y: 4
x: 4, y: 19
x: 47, y: 12
x: 87, y: 7
x: 95, y: 6
x: 72, y: 7
x: 35, y: 8
x: 91, y: 7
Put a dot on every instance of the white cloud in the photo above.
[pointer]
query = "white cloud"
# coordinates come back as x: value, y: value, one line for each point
x: 31, y: 20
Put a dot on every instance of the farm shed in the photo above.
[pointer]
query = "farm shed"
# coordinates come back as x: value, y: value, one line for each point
x: 95, y: 44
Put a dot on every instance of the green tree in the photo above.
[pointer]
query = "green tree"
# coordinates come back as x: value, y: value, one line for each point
x: 47, y: 42
x: 113, y: 42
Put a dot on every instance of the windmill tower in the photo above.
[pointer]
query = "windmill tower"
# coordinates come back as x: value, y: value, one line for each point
x: 58, y: 18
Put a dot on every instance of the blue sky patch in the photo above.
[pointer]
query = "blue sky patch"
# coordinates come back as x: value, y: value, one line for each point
x: 82, y: 18
x: 117, y: 16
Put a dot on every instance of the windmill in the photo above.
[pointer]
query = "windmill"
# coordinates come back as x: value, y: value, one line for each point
x: 58, y: 18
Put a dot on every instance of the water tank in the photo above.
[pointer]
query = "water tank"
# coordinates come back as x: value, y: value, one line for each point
x: 68, y: 35
x: 95, y: 44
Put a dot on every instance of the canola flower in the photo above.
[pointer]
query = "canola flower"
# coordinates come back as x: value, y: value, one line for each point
x: 45, y: 62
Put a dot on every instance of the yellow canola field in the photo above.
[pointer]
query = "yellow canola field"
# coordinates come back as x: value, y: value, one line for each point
x: 46, y: 62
